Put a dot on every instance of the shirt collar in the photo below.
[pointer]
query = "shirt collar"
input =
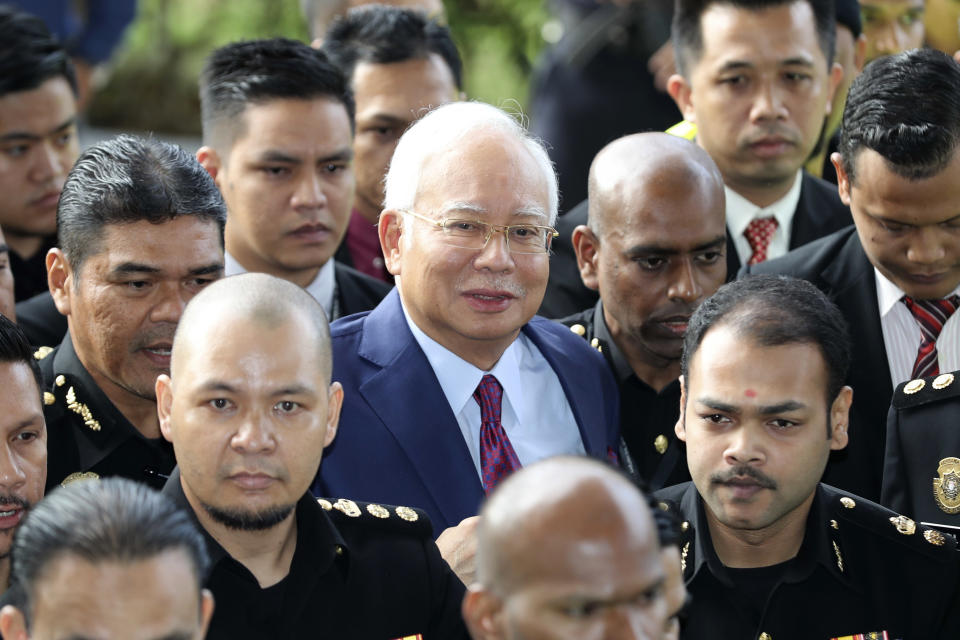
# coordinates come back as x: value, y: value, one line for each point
x: 740, y: 211
x: 459, y: 379
x: 621, y: 367
x: 322, y: 288
x: 889, y: 294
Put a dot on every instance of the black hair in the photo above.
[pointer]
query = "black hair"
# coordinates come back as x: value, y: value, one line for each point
x: 906, y: 107
x: 687, y: 34
x: 381, y: 34
x: 112, y: 520
x: 773, y: 311
x: 130, y: 179
x: 15, y: 348
x: 256, y: 71
x: 29, y: 54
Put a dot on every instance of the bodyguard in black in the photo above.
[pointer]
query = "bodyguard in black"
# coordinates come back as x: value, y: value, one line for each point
x: 249, y: 407
x: 921, y: 470
x: 770, y: 552
x: 359, y: 571
x: 140, y: 227
x: 653, y: 247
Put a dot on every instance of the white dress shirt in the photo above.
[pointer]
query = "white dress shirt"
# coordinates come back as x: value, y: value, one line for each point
x: 322, y: 288
x: 902, y: 335
x: 535, y: 413
x: 741, y: 212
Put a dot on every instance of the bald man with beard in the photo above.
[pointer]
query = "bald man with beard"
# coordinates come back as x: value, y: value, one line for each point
x: 653, y: 247
x: 567, y: 548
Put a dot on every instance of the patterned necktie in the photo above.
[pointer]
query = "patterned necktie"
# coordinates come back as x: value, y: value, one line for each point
x: 497, y: 457
x: 759, y: 234
x: 930, y: 316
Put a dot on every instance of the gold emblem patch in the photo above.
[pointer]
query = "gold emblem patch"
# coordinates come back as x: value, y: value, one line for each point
x: 406, y: 513
x: 904, y: 525
x: 683, y: 557
x: 324, y: 504
x: 836, y: 550
x: 943, y: 381
x: 78, y: 476
x: 914, y: 386
x: 347, y: 507
x: 946, y: 488
x: 934, y: 537
x: 847, y: 502
x: 377, y: 511
x: 660, y: 444
x: 49, y: 398
x: 81, y: 410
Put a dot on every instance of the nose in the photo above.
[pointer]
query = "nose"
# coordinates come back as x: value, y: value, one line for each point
x: 254, y: 435
x: 768, y: 104
x: 684, y: 286
x: 12, y: 475
x: 495, y: 254
x: 309, y: 193
x: 744, y: 447
x: 170, y: 303
x: 925, y: 247
x: 47, y: 164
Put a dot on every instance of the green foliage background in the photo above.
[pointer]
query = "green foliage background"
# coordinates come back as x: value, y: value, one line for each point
x: 152, y: 86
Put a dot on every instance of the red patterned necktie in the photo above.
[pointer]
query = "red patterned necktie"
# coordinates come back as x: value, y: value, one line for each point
x: 497, y: 457
x: 759, y: 234
x: 930, y: 315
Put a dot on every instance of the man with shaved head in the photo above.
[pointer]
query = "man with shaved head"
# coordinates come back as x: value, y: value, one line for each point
x: 249, y: 407
x: 653, y: 247
x: 567, y: 548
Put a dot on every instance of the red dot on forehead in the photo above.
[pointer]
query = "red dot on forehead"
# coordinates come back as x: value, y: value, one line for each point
x: 750, y: 393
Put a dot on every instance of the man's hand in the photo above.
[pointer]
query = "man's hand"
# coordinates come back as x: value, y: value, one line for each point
x: 458, y: 546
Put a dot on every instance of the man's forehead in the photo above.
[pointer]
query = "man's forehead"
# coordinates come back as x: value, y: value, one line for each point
x: 778, y: 34
x: 277, y: 123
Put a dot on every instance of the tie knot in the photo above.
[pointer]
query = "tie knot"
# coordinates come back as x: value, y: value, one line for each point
x: 489, y: 392
x: 932, y: 313
x: 759, y: 233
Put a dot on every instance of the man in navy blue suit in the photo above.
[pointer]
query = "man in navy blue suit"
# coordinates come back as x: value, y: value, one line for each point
x: 451, y: 382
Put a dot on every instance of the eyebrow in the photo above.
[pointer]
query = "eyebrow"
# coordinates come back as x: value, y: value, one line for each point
x: 385, y: 118
x: 648, y: 249
x: 14, y: 136
x: 782, y: 407
x: 226, y: 387
x: 275, y: 155
x: 909, y: 224
x: 176, y: 635
x: 797, y: 61
x: 28, y: 422
x: 125, y: 268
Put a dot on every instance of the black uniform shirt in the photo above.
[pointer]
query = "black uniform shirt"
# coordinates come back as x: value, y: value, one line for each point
x: 30, y: 274
x: 358, y: 571
x: 860, y: 569
x: 86, y: 433
x: 647, y: 416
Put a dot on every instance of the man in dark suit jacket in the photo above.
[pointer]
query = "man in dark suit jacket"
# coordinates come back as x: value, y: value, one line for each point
x: 902, y: 254
x: 278, y: 136
x: 759, y: 144
x: 451, y: 382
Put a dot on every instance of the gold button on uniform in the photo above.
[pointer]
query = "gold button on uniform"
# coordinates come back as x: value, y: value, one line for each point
x: 848, y: 502
x: 48, y: 398
x: 578, y: 329
x: 60, y: 381
x: 766, y: 636
x: 914, y: 386
x: 943, y: 381
x: 660, y: 444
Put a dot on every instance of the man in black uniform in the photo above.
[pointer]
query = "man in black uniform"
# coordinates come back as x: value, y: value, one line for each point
x: 768, y: 550
x: 140, y: 233
x: 249, y: 407
x: 921, y: 470
x: 654, y: 249
x: 278, y: 136
x: 110, y: 560
x: 896, y: 274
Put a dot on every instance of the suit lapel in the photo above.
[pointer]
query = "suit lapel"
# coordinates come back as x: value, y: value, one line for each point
x: 432, y: 442
x: 733, y: 260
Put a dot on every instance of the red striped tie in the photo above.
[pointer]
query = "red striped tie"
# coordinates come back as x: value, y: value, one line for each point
x: 930, y: 315
x: 497, y: 457
x: 759, y: 234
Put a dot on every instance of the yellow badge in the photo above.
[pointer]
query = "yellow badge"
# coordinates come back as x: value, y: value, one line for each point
x: 943, y: 381
x: 81, y: 409
x: 847, y: 502
x: 934, y: 537
x: 347, y: 507
x: 833, y: 523
x: 904, y: 525
x: 914, y: 386
x: 578, y: 329
x: 661, y: 443
x: 766, y: 636
x: 49, y: 398
x: 60, y: 380
x: 78, y: 476
x: 406, y: 513
x: 377, y: 511
x: 42, y: 353
x: 946, y: 488
x: 324, y: 504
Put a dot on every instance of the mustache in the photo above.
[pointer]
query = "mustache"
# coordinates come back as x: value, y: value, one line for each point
x: 743, y: 471
x: 498, y: 284
x: 15, y: 501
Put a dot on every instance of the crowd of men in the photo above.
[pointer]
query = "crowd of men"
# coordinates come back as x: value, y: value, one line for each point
x: 304, y: 382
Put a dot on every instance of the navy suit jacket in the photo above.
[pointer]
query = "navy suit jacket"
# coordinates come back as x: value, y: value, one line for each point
x: 399, y: 441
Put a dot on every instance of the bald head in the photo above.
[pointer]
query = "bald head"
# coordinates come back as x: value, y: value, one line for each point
x: 625, y: 173
x: 261, y: 299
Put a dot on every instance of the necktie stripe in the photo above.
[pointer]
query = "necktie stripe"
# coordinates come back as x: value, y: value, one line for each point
x: 930, y: 315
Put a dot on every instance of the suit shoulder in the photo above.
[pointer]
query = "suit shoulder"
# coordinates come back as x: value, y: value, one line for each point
x: 347, y: 326
x: 358, y: 278
x: 808, y: 261
x: 888, y: 528
x: 672, y: 494
x: 822, y: 188
x: 921, y: 391
x: 377, y: 518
